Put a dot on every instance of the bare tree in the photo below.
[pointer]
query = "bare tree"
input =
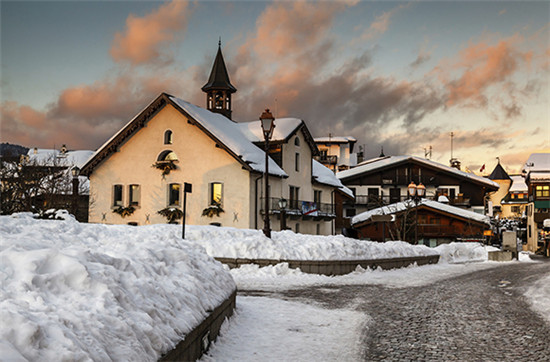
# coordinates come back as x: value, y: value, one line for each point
x: 34, y: 186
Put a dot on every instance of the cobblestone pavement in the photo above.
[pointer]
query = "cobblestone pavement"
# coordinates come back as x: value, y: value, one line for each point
x: 481, y: 316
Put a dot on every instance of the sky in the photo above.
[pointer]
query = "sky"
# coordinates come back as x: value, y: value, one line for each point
x: 397, y: 75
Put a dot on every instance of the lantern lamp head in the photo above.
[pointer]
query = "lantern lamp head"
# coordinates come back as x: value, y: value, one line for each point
x: 268, y: 123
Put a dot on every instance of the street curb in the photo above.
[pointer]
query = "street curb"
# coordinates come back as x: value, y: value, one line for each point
x: 334, y: 267
x: 197, y: 342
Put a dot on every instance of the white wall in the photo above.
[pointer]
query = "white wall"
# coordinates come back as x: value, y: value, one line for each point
x: 200, y: 163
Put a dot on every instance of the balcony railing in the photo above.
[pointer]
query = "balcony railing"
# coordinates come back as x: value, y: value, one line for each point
x: 327, y: 159
x: 373, y: 201
x: 300, y: 208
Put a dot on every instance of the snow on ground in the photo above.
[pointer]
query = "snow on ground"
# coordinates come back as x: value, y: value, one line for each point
x: 456, y: 259
x: 454, y: 253
x: 72, y: 291
x: 269, y: 329
x: 281, y: 277
x: 77, y: 291
x: 539, y: 296
x: 287, y: 245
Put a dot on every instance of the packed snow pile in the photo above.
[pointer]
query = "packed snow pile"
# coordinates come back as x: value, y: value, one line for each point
x: 72, y: 291
x: 287, y: 245
x: 454, y: 253
x: 538, y: 295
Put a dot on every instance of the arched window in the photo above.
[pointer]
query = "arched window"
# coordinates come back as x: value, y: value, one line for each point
x: 167, y: 155
x: 168, y: 137
x: 219, y: 100
x: 297, y: 141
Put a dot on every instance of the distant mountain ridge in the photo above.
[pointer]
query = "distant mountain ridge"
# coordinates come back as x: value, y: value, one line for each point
x: 7, y: 149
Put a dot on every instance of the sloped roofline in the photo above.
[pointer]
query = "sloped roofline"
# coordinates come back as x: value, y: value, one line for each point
x: 425, y: 204
x: 399, y: 160
x: 138, y: 122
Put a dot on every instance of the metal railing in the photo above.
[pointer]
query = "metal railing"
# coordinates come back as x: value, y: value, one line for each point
x: 299, y: 208
x: 373, y: 201
x: 332, y: 160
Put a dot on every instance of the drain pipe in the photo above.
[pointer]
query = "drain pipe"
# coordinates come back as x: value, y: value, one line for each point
x: 256, y: 202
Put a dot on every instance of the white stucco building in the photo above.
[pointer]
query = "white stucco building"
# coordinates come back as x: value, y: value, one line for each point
x: 143, y: 168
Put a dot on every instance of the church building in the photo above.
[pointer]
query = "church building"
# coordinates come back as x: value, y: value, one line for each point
x: 139, y: 175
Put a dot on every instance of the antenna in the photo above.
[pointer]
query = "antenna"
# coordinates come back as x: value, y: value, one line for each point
x: 428, y: 152
x: 452, y: 135
x: 220, y: 42
x: 276, y: 108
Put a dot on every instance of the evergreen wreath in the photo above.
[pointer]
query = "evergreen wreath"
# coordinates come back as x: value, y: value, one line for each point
x: 214, y: 209
x: 124, y: 211
x: 165, y: 166
x: 171, y: 214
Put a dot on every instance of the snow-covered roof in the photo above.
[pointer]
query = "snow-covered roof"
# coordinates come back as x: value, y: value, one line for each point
x: 518, y: 184
x: 347, y: 191
x: 52, y: 157
x: 402, y: 206
x: 381, y: 162
x: 284, y: 127
x: 230, y: 134
x: 539, y: 176
x: 538, y: 162
x: 325, y: 176
x: 344, y: 139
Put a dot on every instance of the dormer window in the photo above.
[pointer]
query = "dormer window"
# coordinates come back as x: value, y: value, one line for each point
x: 297, y: 141
x: 168, y: 137
x: 167, y: 155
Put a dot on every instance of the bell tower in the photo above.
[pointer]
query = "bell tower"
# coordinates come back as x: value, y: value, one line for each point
x: 218, y: 89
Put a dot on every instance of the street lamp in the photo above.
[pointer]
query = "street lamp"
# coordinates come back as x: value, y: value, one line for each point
x: 268, y: 124
x: 416, y: 193
x: 75, y: 171
x: 282, y: 207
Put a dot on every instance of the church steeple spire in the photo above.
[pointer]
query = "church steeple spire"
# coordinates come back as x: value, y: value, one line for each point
x: 218, y: 89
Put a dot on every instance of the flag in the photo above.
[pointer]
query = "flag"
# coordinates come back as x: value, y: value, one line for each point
x: 482, y: 168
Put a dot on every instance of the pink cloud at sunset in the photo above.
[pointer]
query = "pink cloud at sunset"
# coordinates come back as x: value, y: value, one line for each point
x: 483, y: 66
x: 145, y: 38
x: 291, y: 60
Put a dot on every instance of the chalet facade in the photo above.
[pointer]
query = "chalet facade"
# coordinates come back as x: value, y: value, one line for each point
x: 336, y: 153
x: 384, y: 181
x: 537, y: 179
x: 516, y: 200
x: 138, y: 176
x: 429, y: 223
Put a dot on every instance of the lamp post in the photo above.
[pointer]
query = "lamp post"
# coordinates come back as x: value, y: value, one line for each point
x: 416, y: 193
x: 268, y: 124
x: 75, y: 171
x: 282, y: 207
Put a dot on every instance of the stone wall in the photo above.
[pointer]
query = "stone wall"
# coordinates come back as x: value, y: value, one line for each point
x: 335, y: 267
x: 197, y: 342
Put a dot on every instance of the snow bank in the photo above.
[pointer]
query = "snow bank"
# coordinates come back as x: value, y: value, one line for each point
x: 463, y: 252
x: 287, y: 245
x: 72, y: 291
x: 282, y: 277
x: 538, y: 295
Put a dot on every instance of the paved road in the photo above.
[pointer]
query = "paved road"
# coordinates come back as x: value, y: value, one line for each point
x: 481, y: 316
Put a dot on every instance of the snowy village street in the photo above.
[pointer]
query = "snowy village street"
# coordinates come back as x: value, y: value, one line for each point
x: 482, y: 315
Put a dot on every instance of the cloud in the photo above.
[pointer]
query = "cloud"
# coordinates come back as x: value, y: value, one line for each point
x: 380, y: 25
x: 422, y: 58
x: 86, y: 116
x: 288, y: 61
x: 145, y: 39
x: 481, y: 66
